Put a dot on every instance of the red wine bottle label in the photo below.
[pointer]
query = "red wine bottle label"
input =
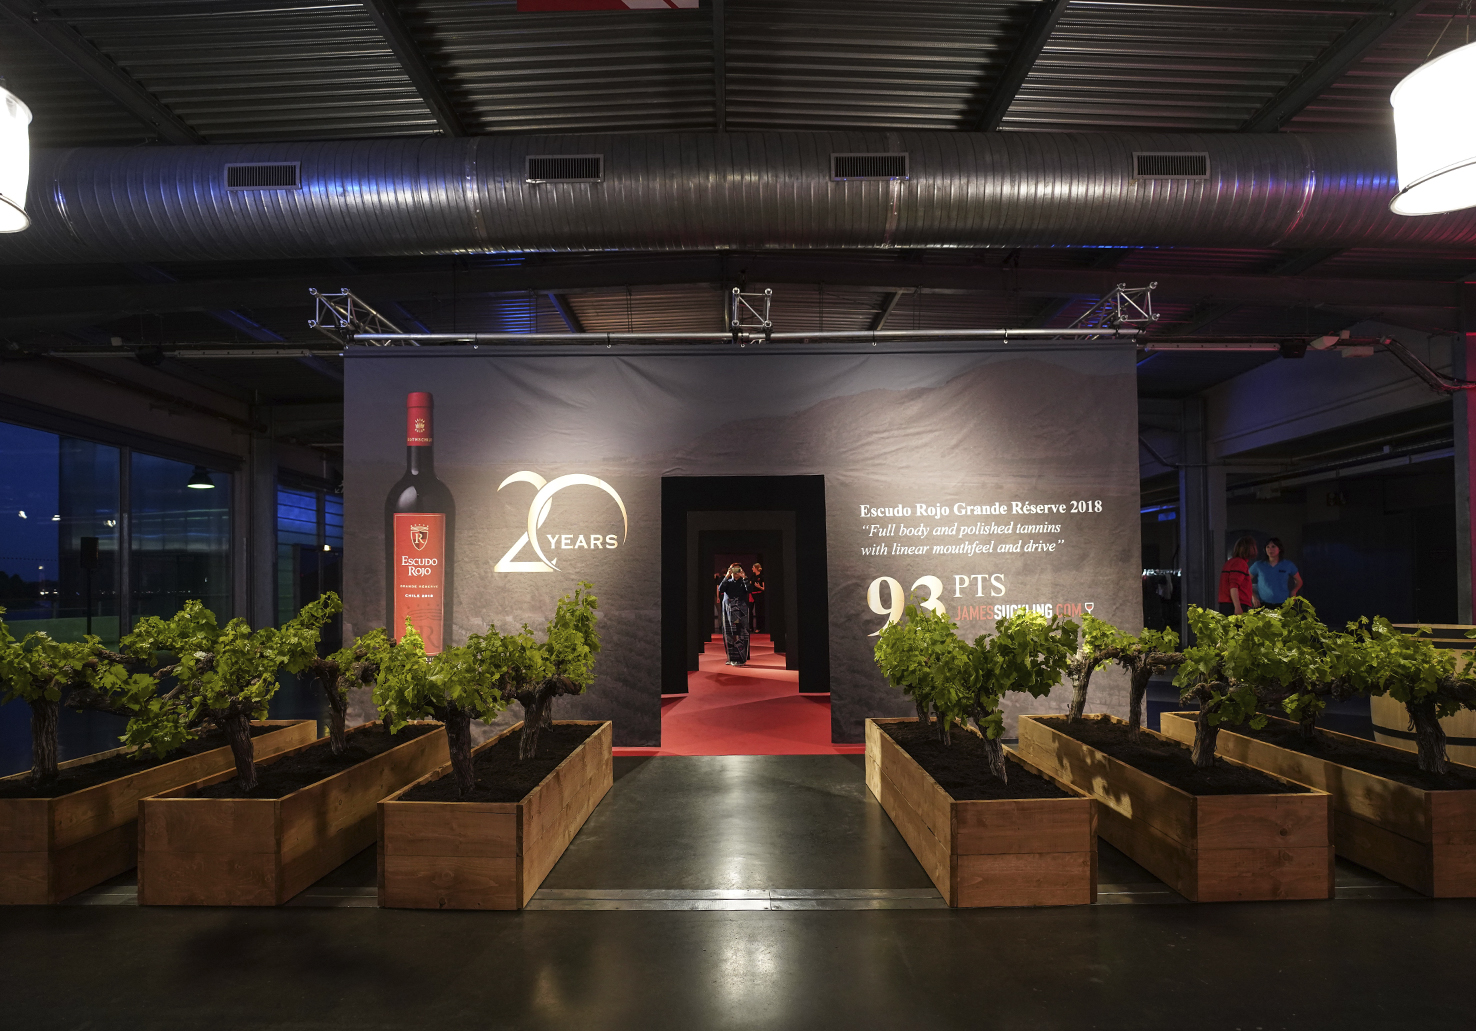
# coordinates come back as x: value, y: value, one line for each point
x: 418, y: 419
x: 420, y: 576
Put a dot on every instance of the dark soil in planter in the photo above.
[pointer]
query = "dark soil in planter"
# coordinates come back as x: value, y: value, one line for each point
x: 1366, y: 756
x: 112, y: 768
x: 1170, y: 761
x: 962, y: 769
x: 278, y: 777
x: 499, y: 776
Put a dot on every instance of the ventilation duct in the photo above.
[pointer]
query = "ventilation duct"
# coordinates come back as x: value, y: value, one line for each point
x: 570, y: 168
x: 279, y: 175
x: 674, y: 191
x: 1171, y: 166
x: 868, y: 166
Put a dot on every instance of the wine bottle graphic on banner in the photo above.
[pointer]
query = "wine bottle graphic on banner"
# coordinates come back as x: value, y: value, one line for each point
x: 420, y: 535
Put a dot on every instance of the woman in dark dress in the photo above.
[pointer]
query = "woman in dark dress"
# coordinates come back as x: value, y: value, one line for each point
x: 732, y: 596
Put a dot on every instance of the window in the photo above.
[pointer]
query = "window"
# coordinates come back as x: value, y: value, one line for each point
x: 309, y: 553
x: 181, y: 537
x: 55, y: 492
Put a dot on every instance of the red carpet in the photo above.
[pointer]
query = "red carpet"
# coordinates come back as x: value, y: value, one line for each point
x: 744, y: 710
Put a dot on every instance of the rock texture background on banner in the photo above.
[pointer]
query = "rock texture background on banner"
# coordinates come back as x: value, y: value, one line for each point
x: 1008, y: 475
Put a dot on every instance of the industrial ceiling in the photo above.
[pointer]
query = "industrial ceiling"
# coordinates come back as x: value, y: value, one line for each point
x: 180, y: 72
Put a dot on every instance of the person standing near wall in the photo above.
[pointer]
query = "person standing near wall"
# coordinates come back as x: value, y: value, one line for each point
x: 732, y: 596
x: 1274, y: 578
x: 756, y: 597
x: 1237, y: 594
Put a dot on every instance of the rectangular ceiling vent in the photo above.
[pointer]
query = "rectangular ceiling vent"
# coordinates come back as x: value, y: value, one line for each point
x: 868, y: 166
x: 266, y: 175
x: 566, y: 168
x: 1170, y: 165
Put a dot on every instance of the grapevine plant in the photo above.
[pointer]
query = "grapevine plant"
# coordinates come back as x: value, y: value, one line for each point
x: 924, y: 657
x: 222, y: 675
x: 355, y: 665
x: 47, y: 674
x: 1431, y: 683
x: 455, y: 686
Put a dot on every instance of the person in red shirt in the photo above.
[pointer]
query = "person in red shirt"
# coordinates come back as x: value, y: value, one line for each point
x: 1236, y: 593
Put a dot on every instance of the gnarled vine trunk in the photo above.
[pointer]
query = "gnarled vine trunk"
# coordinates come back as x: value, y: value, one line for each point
x: 994, y: 755
x: 1307, y: 724
x: 459, y: 744
x: 43, y: 741
x: 236, y: 726
x: 1081, y: 682
x: 1429, y: 735
x: 1138, y: 677
x: 923, y: 718
x: 1205, y: 737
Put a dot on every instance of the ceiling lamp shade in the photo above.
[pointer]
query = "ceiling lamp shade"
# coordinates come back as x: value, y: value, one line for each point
x: 200, y: 479
x: 15, y: 161
x: 1435, y: 135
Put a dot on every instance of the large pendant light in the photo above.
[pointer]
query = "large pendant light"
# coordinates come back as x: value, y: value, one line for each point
x: 1435, y: 135
x: 15, y: 161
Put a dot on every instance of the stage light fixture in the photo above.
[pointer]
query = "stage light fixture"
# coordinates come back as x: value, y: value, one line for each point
x: 200, y: 479
x: 1435, y: 135
x: 15, y: 161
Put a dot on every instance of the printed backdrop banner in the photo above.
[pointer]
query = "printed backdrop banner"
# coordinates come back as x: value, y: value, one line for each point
x: 982, y: 478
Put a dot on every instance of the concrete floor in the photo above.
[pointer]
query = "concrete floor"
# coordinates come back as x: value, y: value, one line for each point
x: 690, y: 843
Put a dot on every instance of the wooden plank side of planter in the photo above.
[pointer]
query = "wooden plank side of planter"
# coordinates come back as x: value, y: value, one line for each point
x: 1115, y: 784
x: 554, y: 811
x: 480, y: 855
x: 986, y: 852
x: 1425, y: 840
x: 1394, y: 806
x: 1216, y: 848
x: 262, y: 851
x: 87, y: 836
x: 925, y: 823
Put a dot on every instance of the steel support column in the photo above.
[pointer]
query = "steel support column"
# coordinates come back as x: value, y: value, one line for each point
x: 1196, y: 538
x: 1463, y: 360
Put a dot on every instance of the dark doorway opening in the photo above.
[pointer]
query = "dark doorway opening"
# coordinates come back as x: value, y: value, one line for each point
x: 780, y: 519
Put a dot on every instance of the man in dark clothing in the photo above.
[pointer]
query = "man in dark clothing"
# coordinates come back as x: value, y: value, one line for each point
x: 756, y: 597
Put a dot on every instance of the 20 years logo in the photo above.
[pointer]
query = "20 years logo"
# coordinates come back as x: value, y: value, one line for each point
x: 538, y: 513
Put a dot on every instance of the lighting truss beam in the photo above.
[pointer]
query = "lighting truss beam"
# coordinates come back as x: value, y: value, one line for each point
x: 49, y: 29
x: 1345, y: 51
x: 88, y: 305
x: 1037, y: 33
x: 566, y: 312
x: 396, y: 33
x: 886, y: 310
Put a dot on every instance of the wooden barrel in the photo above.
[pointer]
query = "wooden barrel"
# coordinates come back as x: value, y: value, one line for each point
x: 1391, y: 721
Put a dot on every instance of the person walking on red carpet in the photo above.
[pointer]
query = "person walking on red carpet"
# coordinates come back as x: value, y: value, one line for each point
x: 732, y: 595
x: 756, y: 598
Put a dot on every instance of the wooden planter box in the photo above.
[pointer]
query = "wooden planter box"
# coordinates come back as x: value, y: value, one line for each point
x: 489, y: 855
x: 262, y: 851
x: 1208, y: 848
x: 987, y: 852
x: 52, y: 848
x: 1423, y: 839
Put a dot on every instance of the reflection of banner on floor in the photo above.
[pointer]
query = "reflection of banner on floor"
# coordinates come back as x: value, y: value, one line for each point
x: 530, y: 6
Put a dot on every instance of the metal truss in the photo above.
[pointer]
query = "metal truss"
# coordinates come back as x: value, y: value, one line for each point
x: 342, y: 317
x: 745, y: 317
x: 1121, y: 307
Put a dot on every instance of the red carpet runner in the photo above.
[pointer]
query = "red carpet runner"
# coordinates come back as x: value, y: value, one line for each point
x: 744, y: 710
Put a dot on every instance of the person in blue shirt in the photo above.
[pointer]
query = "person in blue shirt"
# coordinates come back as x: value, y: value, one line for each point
x: 1275, y: 578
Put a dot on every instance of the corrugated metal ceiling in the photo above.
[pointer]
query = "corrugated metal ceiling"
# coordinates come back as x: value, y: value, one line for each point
x: 258, y: 69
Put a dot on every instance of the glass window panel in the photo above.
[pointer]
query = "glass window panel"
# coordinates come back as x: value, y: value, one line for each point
x: 297, y: 517
x: 55, y: 491
x: 181, y: 539
x: 333, y: 520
